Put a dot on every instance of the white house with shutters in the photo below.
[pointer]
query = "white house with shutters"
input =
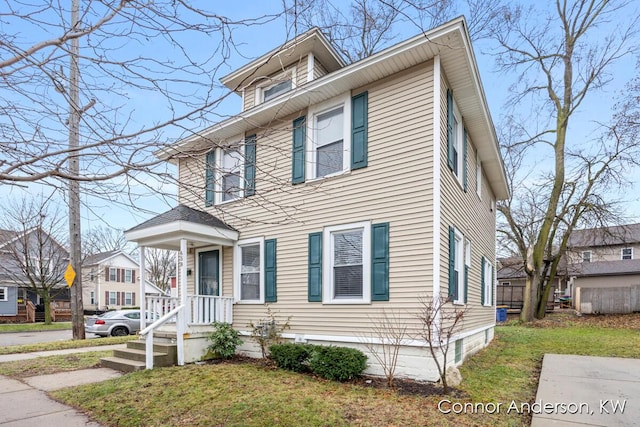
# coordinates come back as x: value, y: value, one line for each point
x: 339, y: 192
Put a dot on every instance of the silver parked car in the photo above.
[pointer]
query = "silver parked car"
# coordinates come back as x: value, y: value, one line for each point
x: 117, y: 323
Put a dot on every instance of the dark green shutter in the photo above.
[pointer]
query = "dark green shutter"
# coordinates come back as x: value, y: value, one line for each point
x: 465, y: 172
x: 297, y: 166
x: 359, y: 119
x: 250, y: 165
x: 209, y: 180
x: 450, y: 120
x: 315, y: 267
x: 482, y: 279
x: 270, y: 294
x: 452, y: 265
x: 380, y: 262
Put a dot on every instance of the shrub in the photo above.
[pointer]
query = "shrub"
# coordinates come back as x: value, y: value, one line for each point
x: 224, y: 340
x: 337, y: 363
x: 293, y: 357
x: 268, y: 331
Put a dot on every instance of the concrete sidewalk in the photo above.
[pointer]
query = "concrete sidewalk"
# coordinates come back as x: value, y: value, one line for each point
x: 587, y: 390
x: 25, y: 403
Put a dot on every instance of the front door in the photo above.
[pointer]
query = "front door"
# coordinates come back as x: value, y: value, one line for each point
x: 209, y: 272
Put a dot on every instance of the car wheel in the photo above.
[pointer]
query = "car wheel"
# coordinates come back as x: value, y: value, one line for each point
x: 119, y: 332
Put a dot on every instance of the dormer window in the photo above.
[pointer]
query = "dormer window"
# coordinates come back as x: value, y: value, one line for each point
x: 276, y: 85
x: 275, y: 90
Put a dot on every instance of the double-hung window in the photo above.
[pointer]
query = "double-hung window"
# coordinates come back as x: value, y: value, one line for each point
x: 586, y: 256
x: 347, y: 270
x: 128, y: 276
x: 113, y: 274
x: 128, y: 298
x: 458, y: 266
x: 92, y: 298
x: 254, y: 264
x: 627, y: 253
x: 113, y: 298
x: 329, y: 139
x: 231, y: 174
x: 4, y: 293
x: 456, y: 142
x: 487, y: 282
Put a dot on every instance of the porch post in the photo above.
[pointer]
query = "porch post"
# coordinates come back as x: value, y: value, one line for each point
x: 182, y: 316
x: 143, y: 279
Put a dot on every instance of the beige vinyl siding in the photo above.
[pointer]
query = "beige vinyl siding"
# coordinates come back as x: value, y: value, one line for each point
x: 473, y: 217
x: 395, y: 187
x: 249, y: 97
x: 318, y: 69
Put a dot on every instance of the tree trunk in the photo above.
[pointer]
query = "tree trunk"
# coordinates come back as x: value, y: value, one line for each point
x: 46, y: 300
x: 542, y: 301
x: 530, y: 299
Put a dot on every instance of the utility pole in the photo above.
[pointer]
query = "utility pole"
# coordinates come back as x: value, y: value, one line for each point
x: 75, y: 258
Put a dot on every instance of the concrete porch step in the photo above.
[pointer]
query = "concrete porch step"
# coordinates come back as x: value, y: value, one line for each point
x: 133, y: 358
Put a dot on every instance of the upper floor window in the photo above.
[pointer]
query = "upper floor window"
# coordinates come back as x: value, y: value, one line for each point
x: 586, y: 256
x: 329, y: 142
x: 113, y: 274
x: 478, y: 176
x: 276, y: 89
x: 230, y: 171
x: 456, y: 142
x: 128, y: 276
x: 276, y: 86
x: 231, y: 174
x: 627, y: 253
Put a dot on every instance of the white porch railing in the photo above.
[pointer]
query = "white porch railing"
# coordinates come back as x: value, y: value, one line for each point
x: 147, y: 333
x: 205, y: 309
x: 200, y: 309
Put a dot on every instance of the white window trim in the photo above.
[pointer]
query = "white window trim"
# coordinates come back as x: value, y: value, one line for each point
x: 218, y: 190
x: 130, y: 295
x: 590, y: 256
x: 130, y: 279
x: 115, y: 275
x: 311, y: 146
x: 506, y: 283
x: 488, y: 283
x: 115, y: 297
x: 237, y: 268
x: 459, y: 263
x: 5, y: 296
x: 622, y: 253
x: 459, y: 144
x: 289, y: 73
x: 197, y: 267
x: 478, y: 176
x: 327, y: 263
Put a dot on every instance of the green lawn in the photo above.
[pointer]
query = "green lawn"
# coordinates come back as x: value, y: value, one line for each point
x: 34, y: 327
x: 63, y: 345
x: 53, y: 364
x: 249, y: 395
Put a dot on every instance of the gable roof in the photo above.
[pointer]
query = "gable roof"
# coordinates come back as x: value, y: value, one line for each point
x: 6, y: 236
x: 605, y: 236
x: 450, y: 42
x: 606, y: 268
x: 102, y: 257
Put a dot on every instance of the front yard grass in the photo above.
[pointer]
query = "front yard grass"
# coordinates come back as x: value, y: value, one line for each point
x: 53, y: 364
x: 34, y: 327
x: 63, y: 345
x: 250, y: 395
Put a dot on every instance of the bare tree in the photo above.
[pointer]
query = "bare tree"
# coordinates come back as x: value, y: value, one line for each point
x: 34, y: 257
x: 561, y: 58
x: 103, y: 239
x: 440, y: 322
x: 162, y: 266
x: 391, y: 331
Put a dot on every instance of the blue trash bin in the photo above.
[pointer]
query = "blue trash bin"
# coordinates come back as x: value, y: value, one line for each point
x: 501, y: 313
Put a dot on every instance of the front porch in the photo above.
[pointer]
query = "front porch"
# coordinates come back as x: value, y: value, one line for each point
x: 185, y: 318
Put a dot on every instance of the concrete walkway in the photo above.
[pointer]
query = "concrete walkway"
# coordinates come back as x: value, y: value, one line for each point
x: 587, y: 391
x: 25, y: 403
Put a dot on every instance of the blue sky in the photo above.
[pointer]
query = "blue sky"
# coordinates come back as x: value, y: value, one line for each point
x: 253, y: 41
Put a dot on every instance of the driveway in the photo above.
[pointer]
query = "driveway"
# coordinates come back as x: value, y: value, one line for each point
x: 587, y: 390
x: 18, y: 338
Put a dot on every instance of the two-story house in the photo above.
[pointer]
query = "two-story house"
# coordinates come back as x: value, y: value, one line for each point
x: 339, y: 191
x: 110, y: 280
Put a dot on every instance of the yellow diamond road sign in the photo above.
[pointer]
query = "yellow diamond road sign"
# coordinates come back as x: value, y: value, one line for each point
x: 69, y: 275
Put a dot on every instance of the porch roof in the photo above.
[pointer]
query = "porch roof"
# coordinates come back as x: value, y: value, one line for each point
x: 165, y: 231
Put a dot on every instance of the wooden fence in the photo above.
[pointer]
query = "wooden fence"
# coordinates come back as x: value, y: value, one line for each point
x: 512, y: 296
x: 610, y: 300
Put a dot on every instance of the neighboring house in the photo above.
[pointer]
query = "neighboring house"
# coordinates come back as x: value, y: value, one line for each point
x: 338, y: 192
x: 46, y: 261
x: 511, y: 279
x: 111, y: 280
x: 606, y: 258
